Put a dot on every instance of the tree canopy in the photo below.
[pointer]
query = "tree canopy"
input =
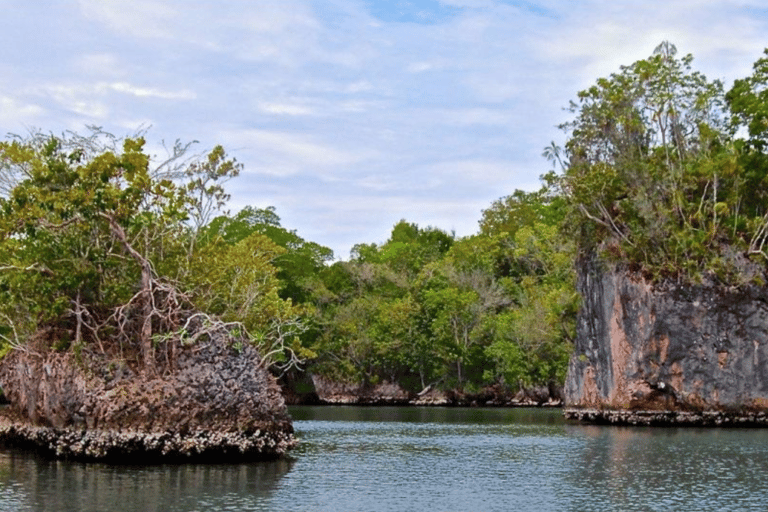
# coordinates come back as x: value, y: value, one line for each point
x: 657, y: 176
x: 101, y: 246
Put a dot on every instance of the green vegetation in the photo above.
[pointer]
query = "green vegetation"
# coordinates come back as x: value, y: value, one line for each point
x: 425, y: 308
x: 663, y: 172
x: 102, y: 250
x: 658, y: 175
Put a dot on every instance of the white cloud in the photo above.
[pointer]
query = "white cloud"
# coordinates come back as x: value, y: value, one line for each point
x: 358, y: 87
x: 92, y: 100
x: 420, y: 67
x: 140, y: 18
x: 285, y: 109
x: 146, y: 92
x: 267, y: 17
x: 476, y: 116
x: 471, y: 172
x: 282, y: 153
x: 79, y: 100
x: 12, y: 110
x: 99, y: 64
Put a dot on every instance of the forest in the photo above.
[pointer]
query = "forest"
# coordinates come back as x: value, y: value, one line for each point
x: 104, y: 247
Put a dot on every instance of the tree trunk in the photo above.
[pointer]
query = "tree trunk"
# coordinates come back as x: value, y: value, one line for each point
x: 145, y: 336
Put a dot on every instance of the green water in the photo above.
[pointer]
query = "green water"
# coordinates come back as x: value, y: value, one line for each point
x: 426, y: 459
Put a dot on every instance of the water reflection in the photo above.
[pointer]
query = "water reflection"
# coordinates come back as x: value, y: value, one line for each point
x: 644, y: 468
x: 444, y: 415
x: 30, y: 483
x: 437, y: 459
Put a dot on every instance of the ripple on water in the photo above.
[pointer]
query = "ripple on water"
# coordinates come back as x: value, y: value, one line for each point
x: 427, y: 459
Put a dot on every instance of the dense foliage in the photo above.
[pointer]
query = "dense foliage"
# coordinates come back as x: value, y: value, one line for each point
x: 663, y: 171
x: 425, y: 308
x: 657, y: 173
x: 101, y: 249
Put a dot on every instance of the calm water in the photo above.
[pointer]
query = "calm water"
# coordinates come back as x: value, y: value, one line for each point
x: 426, y: 460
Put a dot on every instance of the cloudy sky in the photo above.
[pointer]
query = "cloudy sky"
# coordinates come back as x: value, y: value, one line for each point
x: 350, y: 115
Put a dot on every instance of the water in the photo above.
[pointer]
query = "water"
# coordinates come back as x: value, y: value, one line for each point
x: 430, y: 459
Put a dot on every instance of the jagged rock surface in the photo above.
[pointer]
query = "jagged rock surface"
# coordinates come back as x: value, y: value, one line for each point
x: 212, y: 402
x: 667, y: 347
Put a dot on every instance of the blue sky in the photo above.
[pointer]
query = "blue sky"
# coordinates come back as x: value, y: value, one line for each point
x: 350, y: 115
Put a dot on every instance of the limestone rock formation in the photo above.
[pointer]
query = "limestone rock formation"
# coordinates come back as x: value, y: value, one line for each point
x: 212, y: 401
x: 675, y: 348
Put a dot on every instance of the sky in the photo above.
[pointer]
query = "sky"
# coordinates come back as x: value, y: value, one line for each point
x: 350, y: 115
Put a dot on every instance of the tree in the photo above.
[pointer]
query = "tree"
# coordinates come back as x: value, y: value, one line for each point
x: 299, y: 263
x: 652, y: 172
x: 748, y: 103
x: 409, y: 248
x: 453, y: 314
x: 68, y: 219
x: 85, y: 224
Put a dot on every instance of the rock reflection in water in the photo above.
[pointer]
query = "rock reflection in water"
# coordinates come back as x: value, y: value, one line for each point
x: 34, y: 484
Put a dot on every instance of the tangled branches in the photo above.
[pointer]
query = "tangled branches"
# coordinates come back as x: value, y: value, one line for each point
x: 155, y: 323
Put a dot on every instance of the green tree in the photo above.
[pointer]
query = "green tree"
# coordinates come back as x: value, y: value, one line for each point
x: 652, y: 171
x: 748, y: 103
x: 299, y: 264
x: 71, y: 222
x: 97, y: 244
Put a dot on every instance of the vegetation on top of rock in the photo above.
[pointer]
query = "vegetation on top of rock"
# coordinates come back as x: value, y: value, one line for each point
x: 105, y: 250
x: 657, y: 173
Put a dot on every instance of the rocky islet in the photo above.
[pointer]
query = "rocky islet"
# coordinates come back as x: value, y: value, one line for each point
x: 213, y: 401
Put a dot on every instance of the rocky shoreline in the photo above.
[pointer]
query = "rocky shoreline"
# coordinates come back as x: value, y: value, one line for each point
x: 668, y: 418
x: 317, y: 390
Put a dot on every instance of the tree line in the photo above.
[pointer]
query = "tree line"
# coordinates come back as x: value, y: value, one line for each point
x: 106, y: 248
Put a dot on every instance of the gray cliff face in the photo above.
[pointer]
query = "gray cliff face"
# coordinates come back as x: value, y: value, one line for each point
x: 669, y: 347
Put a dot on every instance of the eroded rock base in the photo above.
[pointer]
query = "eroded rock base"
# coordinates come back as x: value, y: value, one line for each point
x: 668, y: 418
x: 317, y: 390
x: 211, y: 400
x: 144, y: 447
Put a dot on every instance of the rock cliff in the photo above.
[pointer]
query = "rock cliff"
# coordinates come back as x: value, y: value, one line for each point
x: 681, y: 349
x: 212, y: 401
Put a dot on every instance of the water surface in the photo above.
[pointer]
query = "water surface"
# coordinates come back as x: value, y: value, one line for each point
x: 390, y: 458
